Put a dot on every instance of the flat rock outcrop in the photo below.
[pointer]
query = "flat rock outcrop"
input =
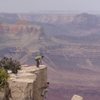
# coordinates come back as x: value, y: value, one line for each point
x: 27, y: 84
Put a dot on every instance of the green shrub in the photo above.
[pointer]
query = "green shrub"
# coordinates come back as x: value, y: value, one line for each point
x: 10, y: 64
x: 3, y: 77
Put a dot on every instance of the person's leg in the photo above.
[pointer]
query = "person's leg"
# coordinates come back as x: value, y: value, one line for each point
x: 37, y: 63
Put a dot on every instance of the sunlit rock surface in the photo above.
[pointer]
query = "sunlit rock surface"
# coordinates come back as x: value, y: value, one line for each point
x: 27, y: 84
x: 77, y: 97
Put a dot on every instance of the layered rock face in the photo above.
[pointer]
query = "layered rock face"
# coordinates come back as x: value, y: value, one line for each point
x: 27, y: 84
x: 21, y: 35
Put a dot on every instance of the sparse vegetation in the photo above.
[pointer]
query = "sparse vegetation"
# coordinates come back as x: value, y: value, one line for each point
x: 5, y: 65
x: 3, y: 77
x: 10, y: 64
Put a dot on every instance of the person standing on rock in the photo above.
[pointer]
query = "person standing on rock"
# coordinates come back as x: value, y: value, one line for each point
x: 38, y: 59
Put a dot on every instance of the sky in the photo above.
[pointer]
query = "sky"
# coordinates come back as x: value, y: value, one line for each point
x: 27, y: 6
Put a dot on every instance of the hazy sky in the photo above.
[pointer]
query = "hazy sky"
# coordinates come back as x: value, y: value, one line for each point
x: 50, y: 5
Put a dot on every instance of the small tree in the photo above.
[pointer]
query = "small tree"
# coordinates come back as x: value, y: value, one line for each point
x: 10, y: 64
x: 4, y: 63
x: 15, y: 66
x: 3, y: 77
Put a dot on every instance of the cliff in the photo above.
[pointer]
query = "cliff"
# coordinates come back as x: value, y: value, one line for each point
x: 28, y: 83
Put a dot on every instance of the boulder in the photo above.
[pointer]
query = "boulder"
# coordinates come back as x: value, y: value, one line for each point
x: 77, y: 97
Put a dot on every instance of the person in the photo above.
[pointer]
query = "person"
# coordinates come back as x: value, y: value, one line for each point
x: 37, y: 62
x: 45, y: 90
x: 38, y: 59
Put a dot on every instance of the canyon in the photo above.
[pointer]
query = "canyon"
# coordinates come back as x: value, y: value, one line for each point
x: 70, y: 44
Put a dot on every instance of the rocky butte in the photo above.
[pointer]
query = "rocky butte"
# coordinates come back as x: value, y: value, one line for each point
x: 28, y: 83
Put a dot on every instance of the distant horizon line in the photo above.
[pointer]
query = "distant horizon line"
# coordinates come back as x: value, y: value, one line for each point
x: 52, y: 12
